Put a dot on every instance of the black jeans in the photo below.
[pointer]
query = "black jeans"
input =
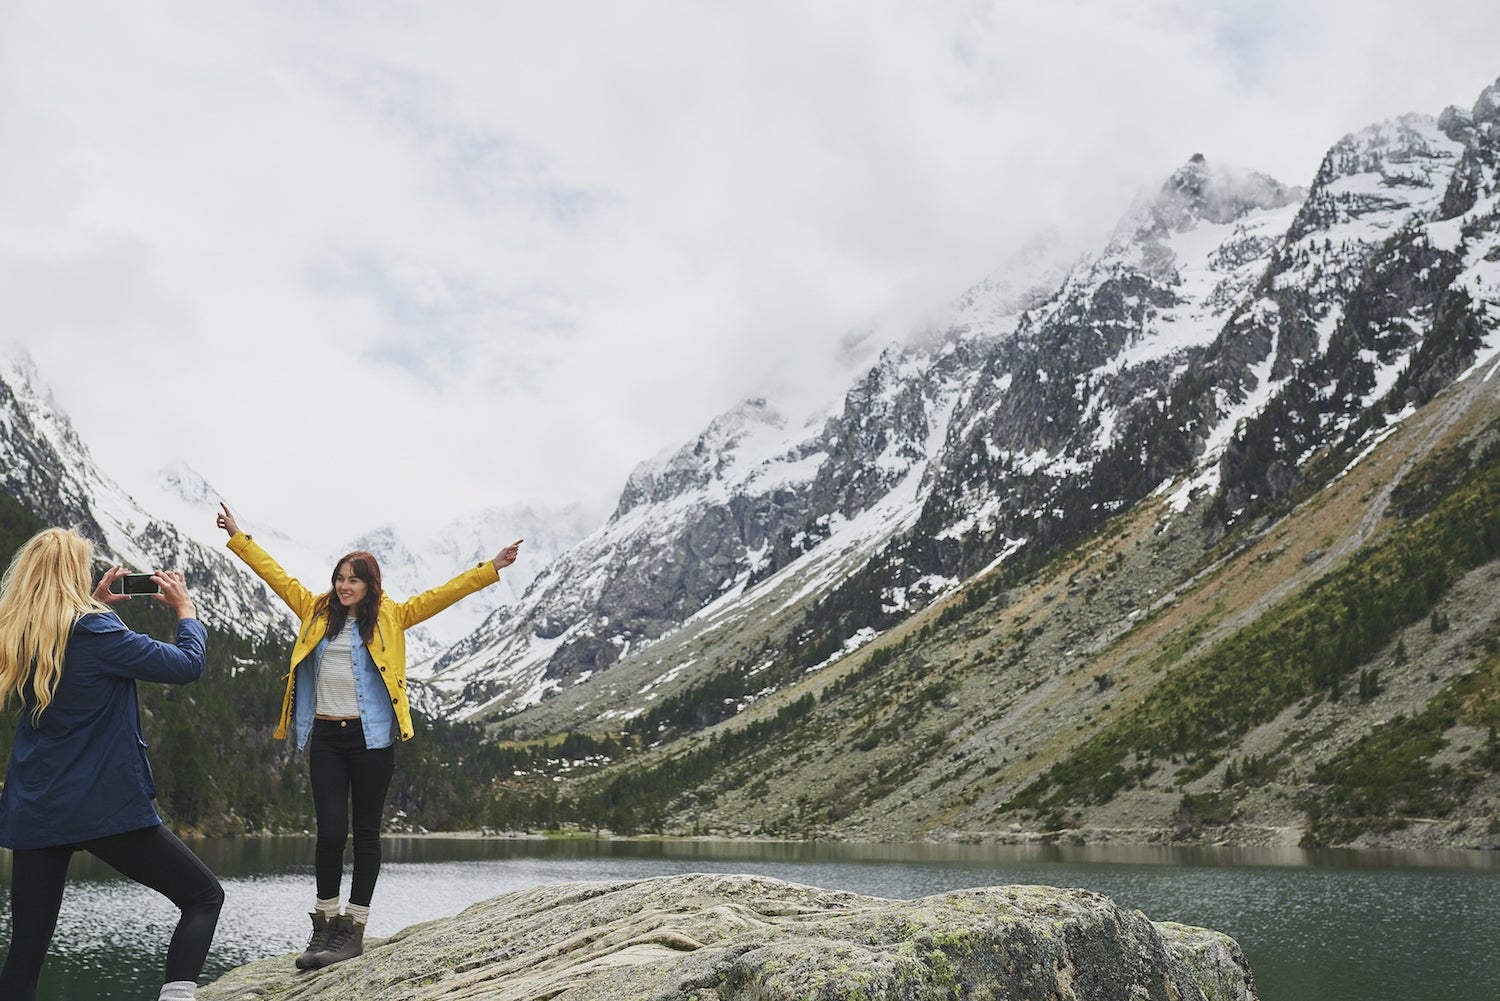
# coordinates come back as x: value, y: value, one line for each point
x: 342, y: 770
x: 152, y: 856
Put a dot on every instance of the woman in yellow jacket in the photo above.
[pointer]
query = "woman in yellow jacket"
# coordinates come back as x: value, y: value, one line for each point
x: 346, y: 697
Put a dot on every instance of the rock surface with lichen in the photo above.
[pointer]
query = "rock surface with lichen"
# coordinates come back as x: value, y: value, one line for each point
x: 715, y: 937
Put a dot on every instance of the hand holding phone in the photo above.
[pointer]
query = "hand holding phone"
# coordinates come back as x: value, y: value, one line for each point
x: 167, y: 586
x: 134, y: 583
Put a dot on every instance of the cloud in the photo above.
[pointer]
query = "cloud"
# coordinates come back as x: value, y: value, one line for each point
x: 398, y: 260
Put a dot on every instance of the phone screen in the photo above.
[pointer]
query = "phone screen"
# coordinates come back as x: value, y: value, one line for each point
x: 134, y: 583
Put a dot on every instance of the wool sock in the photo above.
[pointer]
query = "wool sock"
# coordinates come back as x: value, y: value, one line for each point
x: 359, y: 912
x: 329, y: 908
x: 178, y: 990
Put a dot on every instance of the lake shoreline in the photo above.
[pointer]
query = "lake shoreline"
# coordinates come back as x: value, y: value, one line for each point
x: 1067, y: 845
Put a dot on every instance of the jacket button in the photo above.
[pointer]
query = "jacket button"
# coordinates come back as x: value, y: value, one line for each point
x: 382, y: 668
x: 393, y: 701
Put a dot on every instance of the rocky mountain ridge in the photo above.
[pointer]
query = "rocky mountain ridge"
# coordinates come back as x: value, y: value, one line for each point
x: 751, y: 497
x: 1046, y: 546
x: 1219, y: 308
x: 1117, y: 602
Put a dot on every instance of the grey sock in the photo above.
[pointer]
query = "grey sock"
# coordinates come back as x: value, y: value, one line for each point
x: 178, y: 990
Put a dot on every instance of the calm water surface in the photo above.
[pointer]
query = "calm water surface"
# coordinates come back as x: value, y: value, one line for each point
x: 1335, y: 926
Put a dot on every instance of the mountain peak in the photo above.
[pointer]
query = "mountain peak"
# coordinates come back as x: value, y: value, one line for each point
x: 1459, y: 124
x: 1216, y: 193
x: 183, y: 482
x: 1487, y: 107
x: 1197, y: 194
x: 703, y: 459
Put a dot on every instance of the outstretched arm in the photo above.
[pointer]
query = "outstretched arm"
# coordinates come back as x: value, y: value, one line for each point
x: 430, y: 602
x: 290, y: 590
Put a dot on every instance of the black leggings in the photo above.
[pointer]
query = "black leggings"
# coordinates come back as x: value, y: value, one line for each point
x: 152, y: 856
x: 343, y: 769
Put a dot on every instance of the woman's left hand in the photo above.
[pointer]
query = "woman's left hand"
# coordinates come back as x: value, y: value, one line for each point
x: 507, y: 556
x: 103, y: 594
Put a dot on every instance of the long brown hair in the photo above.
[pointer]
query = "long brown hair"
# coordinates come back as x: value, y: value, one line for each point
x: 365, y: 568
x: 42, y: 595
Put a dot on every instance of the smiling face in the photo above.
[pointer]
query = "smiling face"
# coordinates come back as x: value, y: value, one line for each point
x: 349, y: 589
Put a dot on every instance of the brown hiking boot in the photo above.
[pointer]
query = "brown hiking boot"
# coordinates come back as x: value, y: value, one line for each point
x: 346, y: 939
x: 316, y: 944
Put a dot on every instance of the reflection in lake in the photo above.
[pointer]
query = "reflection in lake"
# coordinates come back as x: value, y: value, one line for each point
x: 1324, y: 926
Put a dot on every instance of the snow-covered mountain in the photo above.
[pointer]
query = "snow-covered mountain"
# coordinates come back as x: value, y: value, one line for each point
x: 46, y: 466
x: 753, y: 496
x: 1231, y: 325
x: 753, y: 493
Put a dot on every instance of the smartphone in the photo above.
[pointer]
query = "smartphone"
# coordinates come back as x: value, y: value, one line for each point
x: 134, y: 583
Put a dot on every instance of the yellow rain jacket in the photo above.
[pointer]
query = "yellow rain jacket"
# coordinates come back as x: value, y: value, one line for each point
x: 388, y: 646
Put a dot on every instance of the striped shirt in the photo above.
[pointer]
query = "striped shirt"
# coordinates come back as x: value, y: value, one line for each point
x: 336, y: 692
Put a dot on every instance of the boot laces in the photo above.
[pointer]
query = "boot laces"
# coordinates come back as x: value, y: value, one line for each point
x: 318, y: 940
x: 339, y: 937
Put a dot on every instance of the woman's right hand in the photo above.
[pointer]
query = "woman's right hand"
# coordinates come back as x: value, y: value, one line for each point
x: 174, y: 593
x: 226, y: 521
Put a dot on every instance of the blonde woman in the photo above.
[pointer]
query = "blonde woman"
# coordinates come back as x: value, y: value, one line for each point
x: 78, y: 777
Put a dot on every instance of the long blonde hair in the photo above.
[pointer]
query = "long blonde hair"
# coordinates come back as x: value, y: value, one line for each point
x: 42, y: 595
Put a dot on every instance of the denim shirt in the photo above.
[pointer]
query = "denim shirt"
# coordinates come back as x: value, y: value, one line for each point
x: 376, y: 715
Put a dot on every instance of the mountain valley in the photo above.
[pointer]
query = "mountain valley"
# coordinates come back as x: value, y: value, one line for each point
x: 1193, y: 540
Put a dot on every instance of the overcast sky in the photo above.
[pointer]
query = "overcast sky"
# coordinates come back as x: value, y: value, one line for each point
x: 378, y: 261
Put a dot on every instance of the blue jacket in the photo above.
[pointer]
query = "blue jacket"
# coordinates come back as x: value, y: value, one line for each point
x: 376, y: 714
x: 81, y: 772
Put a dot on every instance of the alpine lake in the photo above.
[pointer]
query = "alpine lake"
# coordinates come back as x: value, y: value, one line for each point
x: 1316, y: 926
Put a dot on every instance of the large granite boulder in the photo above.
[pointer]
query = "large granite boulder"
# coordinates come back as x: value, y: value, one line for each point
x: 711, y: 937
